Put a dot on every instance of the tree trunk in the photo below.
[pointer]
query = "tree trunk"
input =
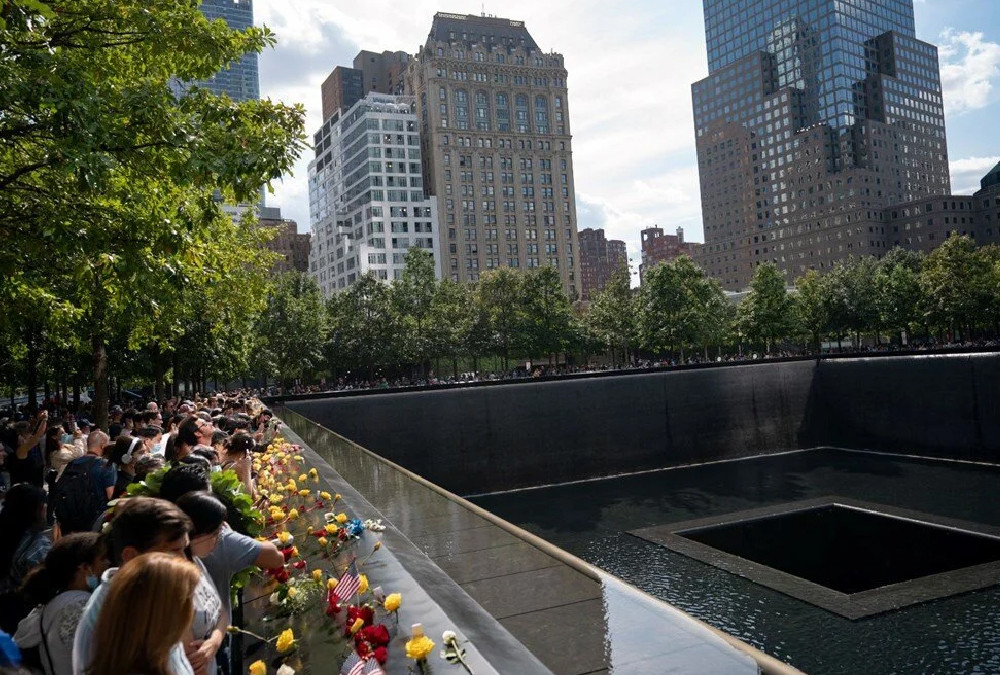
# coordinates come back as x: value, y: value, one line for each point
x: 99, y: 357
x: 32, y: 366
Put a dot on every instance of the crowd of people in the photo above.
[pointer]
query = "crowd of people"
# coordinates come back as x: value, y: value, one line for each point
x: 94, y: 581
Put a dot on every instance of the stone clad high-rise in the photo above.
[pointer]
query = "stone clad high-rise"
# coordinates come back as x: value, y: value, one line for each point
x: 816, y: 116
x: 494, y: 126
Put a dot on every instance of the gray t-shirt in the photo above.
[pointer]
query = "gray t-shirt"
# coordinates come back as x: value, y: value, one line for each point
x: 233, y: 553
x: 207, y: 608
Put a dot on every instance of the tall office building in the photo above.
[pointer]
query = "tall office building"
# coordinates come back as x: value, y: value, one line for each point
x: 494, y: 121
x: 816, y: 116
x: 240, y: 80
x: 366, y: 196
x: 658, y: 247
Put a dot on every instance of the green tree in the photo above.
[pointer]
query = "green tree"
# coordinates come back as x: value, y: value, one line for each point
x: 293, y: 327
x: 413, y: 297
x: 897, y: 291
x: 450, y: 321
x: 106, y: 179
x: 547, y: 314
x: 498, y: 300
x: 951, y: 278
x: 812, y: 307
x: 612, y: 315
x: 668, y: 305
x: 364, y: 326
x: 765, y: 314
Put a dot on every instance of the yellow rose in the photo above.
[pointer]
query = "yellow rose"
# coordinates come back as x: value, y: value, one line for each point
x: 419, y: 648
x: 393, y: 601
x: 295, y: 551
x: 357, y: 625
x: 363, y: 585
x: 276, y: 498
x: 286, y: 642
x: 337, y: 498
x: 313, y: 472
x: 293, y: 514
x: 322, y: 541
x: 302, y: 478
x: 291, y: 486
x: 284, y: 537
x: 258, y: 668
x: 331, y: 583
x: 303, y: 493
x: 318, y: 576
x: 279, y: 488
x: 277, y: 513
x: 292, y: 591
x: 309, y: 529
x: 341, y: 518
x: 298, y: 458
x: 330, y: 528
x: 325, y: 495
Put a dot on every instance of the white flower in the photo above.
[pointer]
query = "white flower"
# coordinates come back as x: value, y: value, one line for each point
x: 286, y: 670
x: 329, y: 517
x: 449, y: 636
x: 274, y: 599
x: 374, y: 525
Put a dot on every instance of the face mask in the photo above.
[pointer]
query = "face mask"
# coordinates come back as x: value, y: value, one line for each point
x: 158, y: 449
x: 216, y: 469
x: 93, y: 582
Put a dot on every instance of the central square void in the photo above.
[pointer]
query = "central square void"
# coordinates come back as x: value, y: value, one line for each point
x: 848, y: 549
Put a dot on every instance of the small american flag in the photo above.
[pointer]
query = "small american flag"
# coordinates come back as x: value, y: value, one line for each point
x: 359, y: 667
x: 348, y: 584
x: 373, y: 668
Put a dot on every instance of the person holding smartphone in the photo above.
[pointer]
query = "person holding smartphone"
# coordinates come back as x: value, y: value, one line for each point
x: 27, y: 463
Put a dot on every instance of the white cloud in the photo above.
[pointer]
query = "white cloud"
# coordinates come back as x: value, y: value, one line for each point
x: 967, y: 172
x: 970, y: 65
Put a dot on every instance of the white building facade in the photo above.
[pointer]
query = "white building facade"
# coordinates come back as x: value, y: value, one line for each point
x: 367, y: 205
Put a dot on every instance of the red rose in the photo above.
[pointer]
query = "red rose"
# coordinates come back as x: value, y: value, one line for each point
x: 287, y: 552
x: 332, y: 608
x: 280, y: 574
x: 377, y: 635
x: 381, y: 655
x: 361, y: 647
x: 300, y: 565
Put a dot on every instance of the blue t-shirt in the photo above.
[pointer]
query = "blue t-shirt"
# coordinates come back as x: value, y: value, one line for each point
x: 103, y: 474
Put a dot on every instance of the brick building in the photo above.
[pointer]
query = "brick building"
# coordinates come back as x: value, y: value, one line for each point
x: 599, y: 259
x: 658, y: 247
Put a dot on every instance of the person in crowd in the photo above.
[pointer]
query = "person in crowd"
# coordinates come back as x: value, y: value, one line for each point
x: 219, y: 441
x: 208, y: 631
x: 27, y: 463
x: 238, y: 456
x: 59, y: 588
x: 149, y: 607
x: 147, y: 464
x: 82, y: 492
x: 24, y: 542
x: 152, y: 438
x: 193, y: 431
x: 139, y: 525
x: 207, y: 453
x: 124, y: 454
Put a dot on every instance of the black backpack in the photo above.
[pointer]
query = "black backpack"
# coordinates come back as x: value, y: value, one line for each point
x: 75, y: 500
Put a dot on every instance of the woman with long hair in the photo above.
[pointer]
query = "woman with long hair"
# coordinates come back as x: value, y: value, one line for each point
x: 239, y: 457
x: 23, y: 542
x: 59, y: 588
x: 208, y: 630
x: 148, y: 610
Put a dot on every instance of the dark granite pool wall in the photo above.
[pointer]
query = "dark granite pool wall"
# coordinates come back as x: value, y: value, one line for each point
x: 945, y: 406
x: 493, y: 438
x: 481, y: 439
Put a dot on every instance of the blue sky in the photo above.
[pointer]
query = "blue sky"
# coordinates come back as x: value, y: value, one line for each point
x: 630, y: 70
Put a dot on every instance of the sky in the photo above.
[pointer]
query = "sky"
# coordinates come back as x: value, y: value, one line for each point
x: 630, y: 68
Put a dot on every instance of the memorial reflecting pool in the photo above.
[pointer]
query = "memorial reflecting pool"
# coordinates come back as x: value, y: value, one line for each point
x: 592, y: 520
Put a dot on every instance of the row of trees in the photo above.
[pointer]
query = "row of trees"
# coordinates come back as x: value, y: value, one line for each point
x: 116, y: 256
x: 418, y: 322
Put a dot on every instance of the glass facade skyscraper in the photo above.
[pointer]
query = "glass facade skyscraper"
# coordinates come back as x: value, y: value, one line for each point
x: 816, y: 116
x: 240, y: 80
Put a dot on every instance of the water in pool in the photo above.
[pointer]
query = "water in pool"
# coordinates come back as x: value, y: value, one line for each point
x: 959, y: 634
